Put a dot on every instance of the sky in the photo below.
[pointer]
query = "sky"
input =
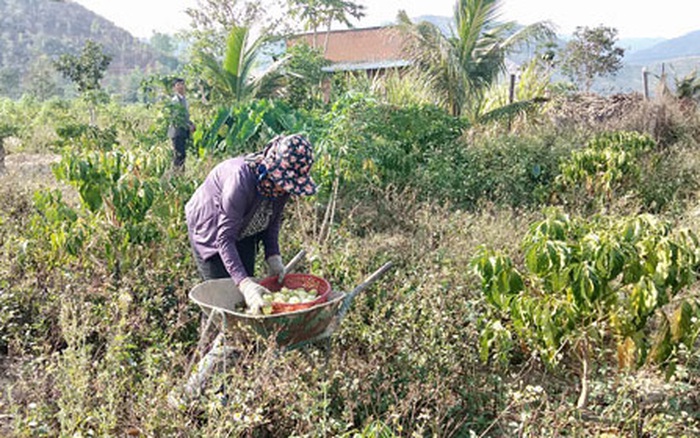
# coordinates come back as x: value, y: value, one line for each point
x: 632, y: 18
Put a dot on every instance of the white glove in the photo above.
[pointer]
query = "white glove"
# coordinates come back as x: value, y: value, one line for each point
x: 252, y: 292
x: 275, y: 267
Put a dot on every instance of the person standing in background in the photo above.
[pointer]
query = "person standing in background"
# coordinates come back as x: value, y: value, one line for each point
x: 181, y: 127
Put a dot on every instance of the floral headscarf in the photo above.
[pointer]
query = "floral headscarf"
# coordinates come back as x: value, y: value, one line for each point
x: 286, y: 163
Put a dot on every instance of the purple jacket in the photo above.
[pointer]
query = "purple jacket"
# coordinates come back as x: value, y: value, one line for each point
x: 220, y: 210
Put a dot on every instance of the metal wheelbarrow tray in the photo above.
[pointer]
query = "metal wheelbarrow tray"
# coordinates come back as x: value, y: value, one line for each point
x: 222, y: 302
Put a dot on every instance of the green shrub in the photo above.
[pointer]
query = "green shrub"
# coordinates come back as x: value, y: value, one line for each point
x: 506, y: 170
x: 669, y: 179
x: 367, y: 144
x: 621, y: 165
x: 586, y: 282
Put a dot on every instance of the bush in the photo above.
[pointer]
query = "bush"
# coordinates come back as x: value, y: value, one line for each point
x: 513, y: 171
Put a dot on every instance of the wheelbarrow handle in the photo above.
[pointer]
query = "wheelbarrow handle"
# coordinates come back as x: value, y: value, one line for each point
x: 294, y: 262
x: 347, y: 301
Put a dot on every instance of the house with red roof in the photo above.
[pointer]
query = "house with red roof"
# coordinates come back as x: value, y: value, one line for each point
x: 373, y: 50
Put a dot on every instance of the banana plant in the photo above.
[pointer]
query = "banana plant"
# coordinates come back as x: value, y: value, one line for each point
x: 233, y: 78
x: 234, y: 129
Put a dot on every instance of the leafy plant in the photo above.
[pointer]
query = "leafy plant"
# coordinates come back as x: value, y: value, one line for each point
x: 305, y: 76
x: 586, y: 284
x: 243, y: 126
x: 609, y: 164
x: 465, y: 65
x: 113, y: 179
x: 83, y: 136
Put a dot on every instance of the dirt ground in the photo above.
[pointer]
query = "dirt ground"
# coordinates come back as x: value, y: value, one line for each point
x: 5, y: 382
x: 29, y: 168
x: 26, y: 171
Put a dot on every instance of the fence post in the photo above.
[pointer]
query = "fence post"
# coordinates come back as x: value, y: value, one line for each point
x: 645, y: 81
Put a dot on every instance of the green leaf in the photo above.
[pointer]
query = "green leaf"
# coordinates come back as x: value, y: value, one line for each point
x: 91, y: 195
x: 485, y: 340
x: 532, y: 259
x: 662, y: 347
x: 680, y: 322
x: 516, y: 284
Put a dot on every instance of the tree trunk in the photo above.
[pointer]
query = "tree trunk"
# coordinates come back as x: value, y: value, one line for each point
x: 93, y: 115
x: 583, y: 395
x: 328, y: 34
x: 2, y: 155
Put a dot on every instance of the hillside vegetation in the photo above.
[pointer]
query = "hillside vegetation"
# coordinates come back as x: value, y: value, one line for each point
x: 34, y: 32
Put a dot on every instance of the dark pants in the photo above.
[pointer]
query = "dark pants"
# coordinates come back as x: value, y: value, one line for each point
x: 179, y: 149
x: 214, y: 267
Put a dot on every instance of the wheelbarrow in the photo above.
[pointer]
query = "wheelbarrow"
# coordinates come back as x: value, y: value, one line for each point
x: 223, y: 304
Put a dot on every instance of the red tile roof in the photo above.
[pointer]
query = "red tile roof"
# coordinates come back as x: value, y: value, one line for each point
x: 357, y: 45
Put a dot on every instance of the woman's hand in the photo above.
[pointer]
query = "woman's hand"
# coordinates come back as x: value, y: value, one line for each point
x: 252, y: 292
x: 276, y: 267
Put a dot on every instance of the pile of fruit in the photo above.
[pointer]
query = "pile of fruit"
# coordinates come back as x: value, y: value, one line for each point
x: 288, y: 296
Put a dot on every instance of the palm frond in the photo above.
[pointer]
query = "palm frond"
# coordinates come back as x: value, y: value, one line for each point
x: 233, y: 77
x: 535, y: 32
x: 472, y: 18
x: 271, y: 80
x: 213, y: 70
x: 235, y: 50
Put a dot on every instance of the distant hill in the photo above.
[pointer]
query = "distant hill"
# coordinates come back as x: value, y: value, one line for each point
x: 34, y: 32
x: 684, y: 46
x: 672, y: 58
x: 445, y: 24
x: 632, y: 45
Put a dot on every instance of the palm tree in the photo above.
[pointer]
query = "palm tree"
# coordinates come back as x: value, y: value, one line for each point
x: 233, y: 79
x: 463, y: 66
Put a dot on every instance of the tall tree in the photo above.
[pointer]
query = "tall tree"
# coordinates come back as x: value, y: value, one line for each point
x: 464, y: 65
x: 592, y: 53
x: 163, y: 43
x: 87, y: 69
x: 317, y: 13
x: 305, y: 76
x: 41, y: 80
x: 212, y: 21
